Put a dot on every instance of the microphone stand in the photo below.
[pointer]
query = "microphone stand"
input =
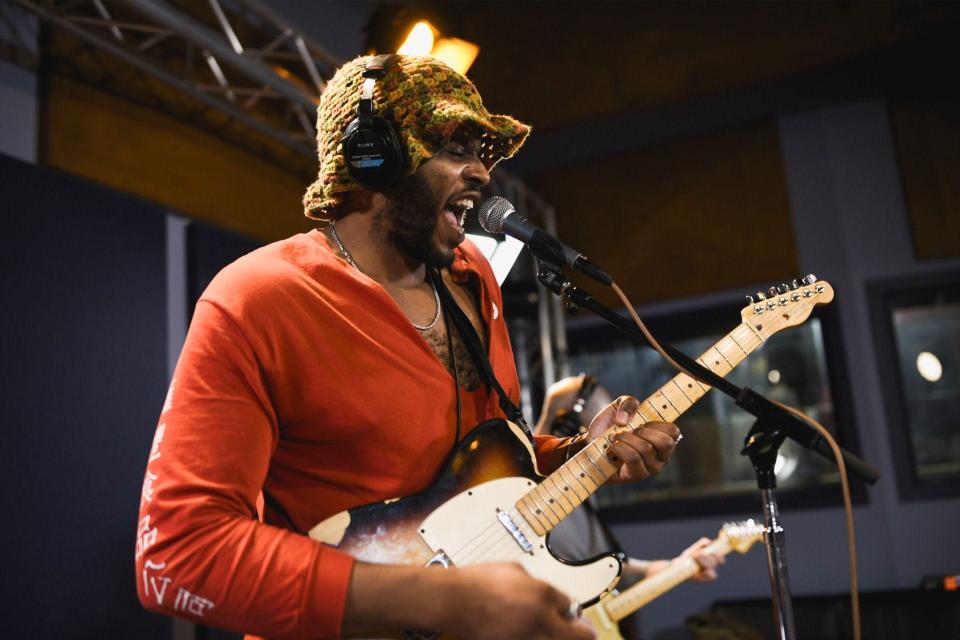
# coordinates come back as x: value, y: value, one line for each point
x: 771, y: 428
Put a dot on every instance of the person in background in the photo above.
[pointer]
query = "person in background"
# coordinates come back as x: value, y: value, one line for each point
x: 569, y: 407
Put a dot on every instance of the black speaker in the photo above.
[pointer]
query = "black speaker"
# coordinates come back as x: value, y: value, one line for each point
x: 371, y: 146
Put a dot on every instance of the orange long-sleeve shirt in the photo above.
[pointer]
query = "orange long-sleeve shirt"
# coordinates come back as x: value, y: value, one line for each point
x: 302, y: 390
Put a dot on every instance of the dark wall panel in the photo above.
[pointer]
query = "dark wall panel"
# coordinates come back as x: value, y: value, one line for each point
x: 210, y: 249
x: 683, y: 218
x: 83, y: 377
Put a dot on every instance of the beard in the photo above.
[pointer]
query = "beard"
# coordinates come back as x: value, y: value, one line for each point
x: 412, y: 216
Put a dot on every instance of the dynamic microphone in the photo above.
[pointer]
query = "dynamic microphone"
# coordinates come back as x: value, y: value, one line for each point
x: 497, y: 215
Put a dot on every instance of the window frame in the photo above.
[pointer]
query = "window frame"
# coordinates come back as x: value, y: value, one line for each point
x: 882, y: 294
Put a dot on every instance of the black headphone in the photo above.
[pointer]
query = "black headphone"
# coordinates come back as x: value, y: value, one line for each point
x: 371, y: 146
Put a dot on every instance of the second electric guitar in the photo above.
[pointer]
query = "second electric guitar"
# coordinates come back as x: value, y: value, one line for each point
x: 603, y: 616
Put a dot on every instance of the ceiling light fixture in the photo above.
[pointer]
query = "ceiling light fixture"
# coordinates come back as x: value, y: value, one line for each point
x: 424, y: 40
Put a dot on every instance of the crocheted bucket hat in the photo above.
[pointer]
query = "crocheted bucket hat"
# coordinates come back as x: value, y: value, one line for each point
x: 426, y: 101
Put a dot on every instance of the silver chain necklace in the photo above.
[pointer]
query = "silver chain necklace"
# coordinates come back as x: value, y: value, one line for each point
x: 349, y: 258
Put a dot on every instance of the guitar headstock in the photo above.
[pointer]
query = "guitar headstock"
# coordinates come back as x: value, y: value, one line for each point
x: 786, y: 305
x: 742, y: 535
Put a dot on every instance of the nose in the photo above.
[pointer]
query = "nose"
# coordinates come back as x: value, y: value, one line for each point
x: 476, y: 172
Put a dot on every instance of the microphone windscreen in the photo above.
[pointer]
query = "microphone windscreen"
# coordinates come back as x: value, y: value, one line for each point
x: 492, y: 212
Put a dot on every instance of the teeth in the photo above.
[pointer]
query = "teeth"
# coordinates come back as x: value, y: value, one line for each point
x: 464, y: 206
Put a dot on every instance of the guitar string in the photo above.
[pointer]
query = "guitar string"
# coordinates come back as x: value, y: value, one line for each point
x: 502, y: 545
x: 471, y: 554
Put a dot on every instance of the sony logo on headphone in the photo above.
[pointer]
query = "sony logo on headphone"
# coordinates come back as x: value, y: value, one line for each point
x: 365, y: 144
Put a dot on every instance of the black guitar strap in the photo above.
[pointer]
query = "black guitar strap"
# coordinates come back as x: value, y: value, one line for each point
x: 477, y: 351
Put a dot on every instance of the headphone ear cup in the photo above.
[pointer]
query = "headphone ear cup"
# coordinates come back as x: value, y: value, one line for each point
x: 373, y: 153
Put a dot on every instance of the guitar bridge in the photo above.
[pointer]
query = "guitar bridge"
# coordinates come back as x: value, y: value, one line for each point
x: 514, y: 531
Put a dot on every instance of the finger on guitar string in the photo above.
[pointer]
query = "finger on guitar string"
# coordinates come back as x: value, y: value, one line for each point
x: 661, y: 436
x: 627, y: 404
x: 644, y: 452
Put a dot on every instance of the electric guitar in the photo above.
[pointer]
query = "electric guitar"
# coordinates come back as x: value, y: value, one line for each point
x: 604, y: 615
x: 491, y: 503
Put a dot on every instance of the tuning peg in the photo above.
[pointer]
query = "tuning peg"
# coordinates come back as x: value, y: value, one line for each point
x: 783, y: 288
x: 794, y: 284
x: 772, y: 292
x: 809, y: 279
x: 760, y: 295
x: 750, y: 300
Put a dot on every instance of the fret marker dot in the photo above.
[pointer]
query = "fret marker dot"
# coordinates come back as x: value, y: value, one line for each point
x: 539, y: 512
x: 664, y: 406
x: 583, y: 475
x: 550, y: 500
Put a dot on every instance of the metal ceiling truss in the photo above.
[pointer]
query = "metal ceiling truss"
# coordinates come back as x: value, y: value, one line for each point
x: 237, y: 57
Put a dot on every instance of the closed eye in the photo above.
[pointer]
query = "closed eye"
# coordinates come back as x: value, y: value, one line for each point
x: 457, y: 150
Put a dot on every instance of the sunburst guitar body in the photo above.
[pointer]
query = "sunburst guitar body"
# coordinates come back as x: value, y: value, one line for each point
x: 468, y: 516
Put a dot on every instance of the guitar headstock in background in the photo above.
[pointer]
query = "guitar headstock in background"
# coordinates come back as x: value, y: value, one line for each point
x: 786, y: 305
x: 742, y: 535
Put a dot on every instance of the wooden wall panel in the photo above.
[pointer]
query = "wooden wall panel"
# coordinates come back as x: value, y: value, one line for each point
x: 141, y: 151
x: 684, y: 218
x: 927, y: 136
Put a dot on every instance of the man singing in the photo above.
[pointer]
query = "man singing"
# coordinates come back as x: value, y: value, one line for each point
x: 322, y: 373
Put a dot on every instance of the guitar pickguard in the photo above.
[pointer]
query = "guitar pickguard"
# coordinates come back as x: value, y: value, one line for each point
x: 490, y: 470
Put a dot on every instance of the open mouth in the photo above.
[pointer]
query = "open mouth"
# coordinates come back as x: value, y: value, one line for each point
x: 457, y: 210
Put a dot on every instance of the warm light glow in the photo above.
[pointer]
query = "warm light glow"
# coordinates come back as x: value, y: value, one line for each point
x: 500, y: 255
x: 420, y: 40
x: 456, y: 53
x: 486, y: 244
x: 929, y: 366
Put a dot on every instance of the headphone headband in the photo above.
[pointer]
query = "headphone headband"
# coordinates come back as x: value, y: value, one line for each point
x: 371, y: 147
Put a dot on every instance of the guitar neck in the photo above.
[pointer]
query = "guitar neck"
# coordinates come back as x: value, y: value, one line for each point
x: 620, y: 606
x: 544, y: 506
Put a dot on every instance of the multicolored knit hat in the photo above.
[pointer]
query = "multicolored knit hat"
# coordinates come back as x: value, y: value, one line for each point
x: 426, y: 101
